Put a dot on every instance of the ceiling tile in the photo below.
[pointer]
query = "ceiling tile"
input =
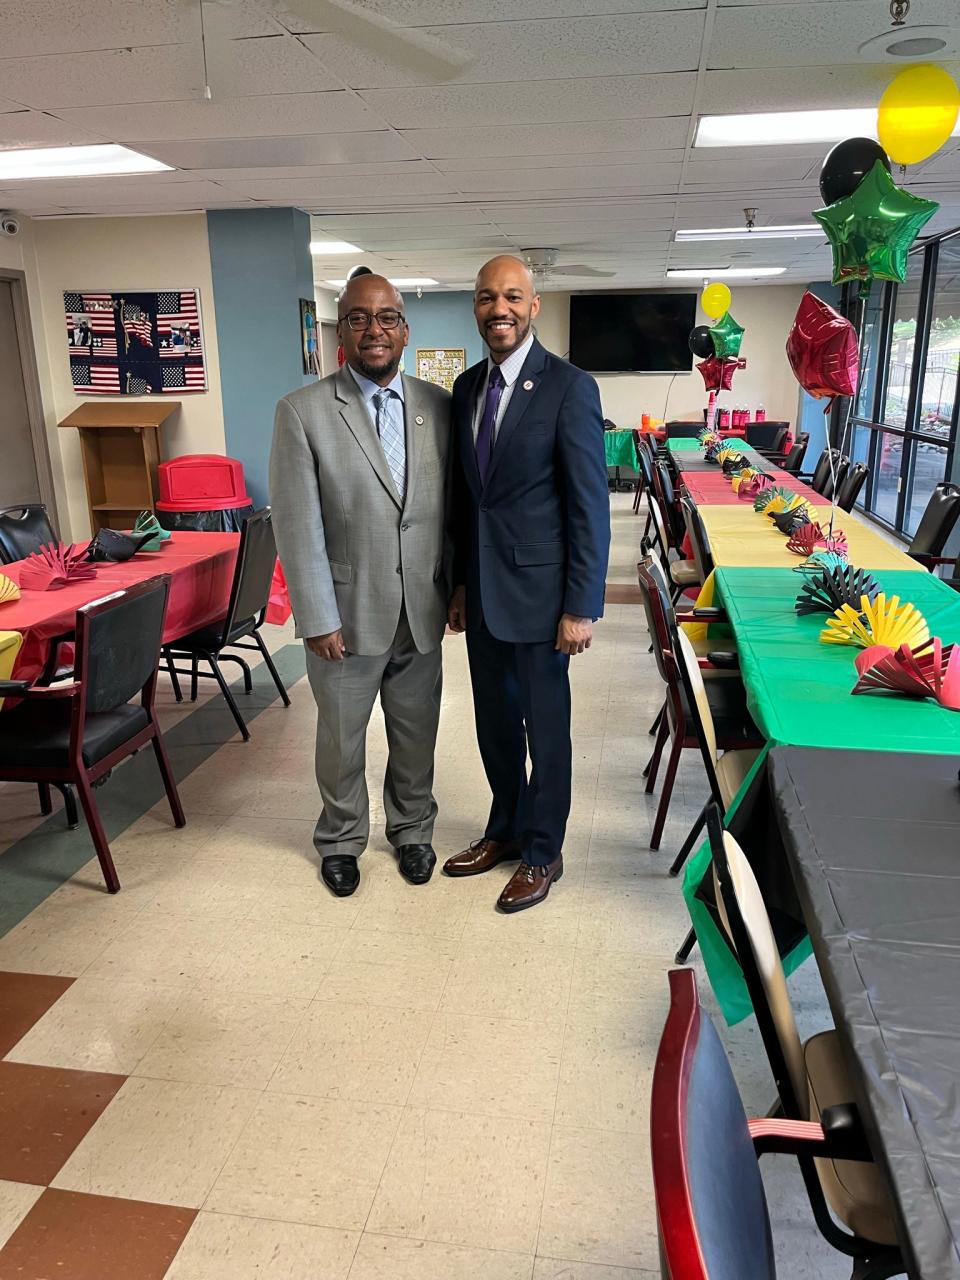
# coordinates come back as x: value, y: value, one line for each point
x: 498, y: 52
x: 556, y: 160
x: 642, y: 179
x: 418, y: 13
x: 269, y: 64
x: 104, y: 78
x: 381, y: 168
x: 555, y: 141
x: 373, y: 186
x: 48, y: 26
x: 546, y: 102
x: 271, y: 152
x: 237, y: 118
x: 35, y: 129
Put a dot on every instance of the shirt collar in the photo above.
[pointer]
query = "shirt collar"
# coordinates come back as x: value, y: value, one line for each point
x: 368, y: 388
x: 510, y: 368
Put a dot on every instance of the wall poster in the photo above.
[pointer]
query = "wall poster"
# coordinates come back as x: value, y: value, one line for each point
x: 441, y: 365
x: 135, y: 343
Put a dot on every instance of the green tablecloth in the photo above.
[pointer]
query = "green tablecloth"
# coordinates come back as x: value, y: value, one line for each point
x: 684, y: 444
x: 799, y: 693
x: 618, y: 447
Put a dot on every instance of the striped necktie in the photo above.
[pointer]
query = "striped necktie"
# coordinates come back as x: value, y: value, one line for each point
x: 390, y: 431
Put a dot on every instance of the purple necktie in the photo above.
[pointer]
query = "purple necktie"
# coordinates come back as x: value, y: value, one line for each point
x: 485, y: 430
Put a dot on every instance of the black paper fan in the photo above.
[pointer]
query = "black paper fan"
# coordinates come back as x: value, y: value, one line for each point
x: 788, y: 522
x: 828, y: 591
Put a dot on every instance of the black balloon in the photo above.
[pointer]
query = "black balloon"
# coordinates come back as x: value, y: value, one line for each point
x: 359, y: 271
x: 847, y: 165
x: 700, y: 342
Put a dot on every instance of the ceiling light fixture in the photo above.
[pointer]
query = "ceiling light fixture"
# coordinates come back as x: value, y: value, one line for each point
x: 100, y: 161
x: 721, y: 273
x: 332, y: 246
x: 801, y: 231
x: 783, y: 128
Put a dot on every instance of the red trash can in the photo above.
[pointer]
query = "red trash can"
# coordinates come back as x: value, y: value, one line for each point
x: 203, y: 491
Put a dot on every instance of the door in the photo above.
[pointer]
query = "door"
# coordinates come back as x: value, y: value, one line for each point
x: 19, y: 478
x: 329, y: 342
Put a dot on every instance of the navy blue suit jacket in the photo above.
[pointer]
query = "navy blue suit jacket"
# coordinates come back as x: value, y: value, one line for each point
x: 532, y: 543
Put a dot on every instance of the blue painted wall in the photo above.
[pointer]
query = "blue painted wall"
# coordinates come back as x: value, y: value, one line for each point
x: 441, y: 320
x: 261, y: 266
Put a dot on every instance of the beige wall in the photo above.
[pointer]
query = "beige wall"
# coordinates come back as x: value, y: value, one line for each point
x: 766, y: 313
x: 113, y: 254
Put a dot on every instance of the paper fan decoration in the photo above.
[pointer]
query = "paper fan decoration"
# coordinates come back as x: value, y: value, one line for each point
x: 147, y: 523
x: 727, y: 452
x: 932, y: 670
x: 712, y: 450
x: 836, y: 542
x: 53, y: 567
x: 791, y: 521
x: 9, y: 591
x: 879, y: 621
x: 829, y: 590
x: 821, y: 561
x: 733, y: 466
x: 750, y: 489
x: 805, y: 538
x: 708, y: 437
x: 741, y: 476
x: 782, y: 499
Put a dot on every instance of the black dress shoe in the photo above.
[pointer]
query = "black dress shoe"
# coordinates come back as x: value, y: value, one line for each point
x: 417, y: 862
x: 340, y: 874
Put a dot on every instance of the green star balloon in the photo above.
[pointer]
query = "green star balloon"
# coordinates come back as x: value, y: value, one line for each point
x: 871, y: 230
x: 727, y: 336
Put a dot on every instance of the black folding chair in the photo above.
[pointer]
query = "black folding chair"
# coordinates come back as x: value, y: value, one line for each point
x: 853, y: 482
x: 935, y: 527
x: 23, y: 531
x: 78, y: 732
x: 249, y: 596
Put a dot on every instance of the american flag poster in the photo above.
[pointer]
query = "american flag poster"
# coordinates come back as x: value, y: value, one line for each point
x: 135, y: 343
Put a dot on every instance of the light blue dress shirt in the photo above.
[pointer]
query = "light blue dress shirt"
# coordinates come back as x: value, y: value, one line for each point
x: 394, y: 406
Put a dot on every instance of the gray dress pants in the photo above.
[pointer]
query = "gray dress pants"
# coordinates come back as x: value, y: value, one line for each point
x: 409, y: 685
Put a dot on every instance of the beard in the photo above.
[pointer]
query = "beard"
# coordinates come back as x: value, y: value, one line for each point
x: 375, y: 369
x: 511, y: 339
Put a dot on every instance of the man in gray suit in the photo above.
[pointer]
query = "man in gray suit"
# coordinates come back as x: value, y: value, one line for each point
x: 358, y: 481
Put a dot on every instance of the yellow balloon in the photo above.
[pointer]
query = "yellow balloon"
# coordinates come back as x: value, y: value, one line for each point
x: 917, y: 113
x: 715, y: 300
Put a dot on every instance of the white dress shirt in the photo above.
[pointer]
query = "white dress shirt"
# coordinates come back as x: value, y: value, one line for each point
x: 510, y: 369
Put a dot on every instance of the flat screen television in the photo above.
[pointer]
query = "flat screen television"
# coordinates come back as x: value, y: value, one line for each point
x: 632, y: 332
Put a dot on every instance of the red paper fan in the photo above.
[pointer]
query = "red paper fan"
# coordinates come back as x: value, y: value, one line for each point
x: 932, y: 670
x: 836, y: 542
x: 750, y: 488
x: 805, y: 540
x: 53, y: 567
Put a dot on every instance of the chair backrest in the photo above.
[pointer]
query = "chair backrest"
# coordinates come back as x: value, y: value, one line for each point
x: 609, y: 426
x: 711, y: 1208
x: 841, y: 465
x: 794, y: 459
x: 644, y: 462
x: 256, y: 558
x: 118, y: 644
x: 853, y: 482
x: 821, y: 472
x: 747, y: 925
x: 651, y: 582
x: 692, y: 678
x: 937, y: 522
x: 668, y: 502
x: 683, y: 430
x: 699, y: 540
x: 660, y: 529
x: 23, y: 531
x: 764, y: 435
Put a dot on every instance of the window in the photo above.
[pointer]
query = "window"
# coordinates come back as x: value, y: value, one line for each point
x: 904, y: 421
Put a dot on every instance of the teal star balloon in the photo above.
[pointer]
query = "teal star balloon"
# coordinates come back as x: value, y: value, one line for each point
x: 871, y: 231
x: 727, y: 336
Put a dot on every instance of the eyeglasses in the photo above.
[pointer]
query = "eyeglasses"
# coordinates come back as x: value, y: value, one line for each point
x: 363, y: 319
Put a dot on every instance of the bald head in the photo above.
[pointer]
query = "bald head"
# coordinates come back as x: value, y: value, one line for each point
x: 505, y: 303
x: 372, y: 328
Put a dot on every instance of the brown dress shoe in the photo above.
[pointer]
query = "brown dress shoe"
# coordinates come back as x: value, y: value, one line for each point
x: 481, y: 856
x: 529, y: 885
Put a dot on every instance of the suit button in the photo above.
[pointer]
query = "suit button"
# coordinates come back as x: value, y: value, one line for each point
x: 483, y: 506
x: 404, y: 527
x: 399, y: 570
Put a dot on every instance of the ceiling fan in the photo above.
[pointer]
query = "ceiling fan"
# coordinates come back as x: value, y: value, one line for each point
x: 543, y: 264
x: 409, y: 49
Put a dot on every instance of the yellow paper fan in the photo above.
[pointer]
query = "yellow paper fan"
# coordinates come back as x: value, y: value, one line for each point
x: 737, y: 480
x: 784, y: 502
x: 9, y: 591
x: 883, y: 621
x: 727, y: 452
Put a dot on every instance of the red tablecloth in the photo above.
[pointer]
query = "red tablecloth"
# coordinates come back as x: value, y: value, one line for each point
x: 201, y: 572
x: 713, y: 488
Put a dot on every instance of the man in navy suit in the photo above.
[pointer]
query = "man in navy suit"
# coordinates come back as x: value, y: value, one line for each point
x: 532, y: 535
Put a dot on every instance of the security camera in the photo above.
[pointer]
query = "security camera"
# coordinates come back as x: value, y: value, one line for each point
x: 9, y: 224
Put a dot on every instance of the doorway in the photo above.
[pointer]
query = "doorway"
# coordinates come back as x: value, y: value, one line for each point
x: 25, y: 474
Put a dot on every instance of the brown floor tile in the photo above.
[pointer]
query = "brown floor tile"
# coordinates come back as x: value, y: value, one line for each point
x: 45, y: 1112
x: 24, y: 999
x: 86, y: 1237
x: 616, y: 593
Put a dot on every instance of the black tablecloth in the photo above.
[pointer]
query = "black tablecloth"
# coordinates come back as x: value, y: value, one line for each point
x: 873, y: 840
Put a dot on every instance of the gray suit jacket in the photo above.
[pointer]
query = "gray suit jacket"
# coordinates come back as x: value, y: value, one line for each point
x: 351, y: 554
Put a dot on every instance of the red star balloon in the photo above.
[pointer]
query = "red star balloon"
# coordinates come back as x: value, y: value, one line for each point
x: 718, y: 374
x: 822, y: 349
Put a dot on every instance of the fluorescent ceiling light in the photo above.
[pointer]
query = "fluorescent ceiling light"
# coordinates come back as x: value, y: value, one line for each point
x: 76, y: 162
x: 779, y: 128
x: 722, y: 273
x: 400, y: 282
x: 333, y: 246
x: 758, y: 233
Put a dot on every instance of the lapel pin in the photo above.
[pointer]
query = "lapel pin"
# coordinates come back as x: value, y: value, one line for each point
x: 418, y: 420
x: 528, y: 385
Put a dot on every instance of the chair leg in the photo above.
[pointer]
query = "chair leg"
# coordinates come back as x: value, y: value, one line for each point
x: 689, y: 942
x: 637, y: 495
x: 672, y: 766
x: 46, y: 804
x: 69, y: 804
x: 194, y: 676
x: 656, y: 724
x: 284, y: 696
x: 687, y: 847
x: 883, y: 1264
x: 97, y: 834
x: 228, y: 696
x: 174, y: 678
x: 169, y: 782
x: 653, y: 764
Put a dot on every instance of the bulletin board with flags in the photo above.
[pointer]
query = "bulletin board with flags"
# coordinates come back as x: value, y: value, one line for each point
x: 135, y: 343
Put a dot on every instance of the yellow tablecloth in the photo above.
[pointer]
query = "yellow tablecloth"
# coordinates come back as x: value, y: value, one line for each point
x: 10, y: 642
x: 742, y: 537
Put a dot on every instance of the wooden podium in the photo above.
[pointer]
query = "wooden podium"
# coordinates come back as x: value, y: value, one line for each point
x: 121, y: 448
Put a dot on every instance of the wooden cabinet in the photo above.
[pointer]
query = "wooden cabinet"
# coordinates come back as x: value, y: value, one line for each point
x: 121, y: 448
